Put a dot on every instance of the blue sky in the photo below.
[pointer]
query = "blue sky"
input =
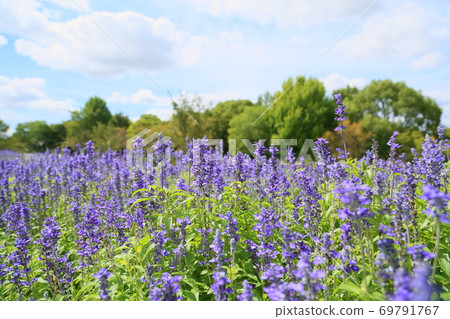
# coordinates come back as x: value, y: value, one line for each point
x: 54, y: 55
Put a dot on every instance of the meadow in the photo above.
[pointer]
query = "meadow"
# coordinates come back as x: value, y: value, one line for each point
x: 199, y: 225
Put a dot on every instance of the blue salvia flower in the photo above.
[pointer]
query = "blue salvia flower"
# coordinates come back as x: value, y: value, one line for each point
x: 58, y: 268
x: 166, y: 289
x: 273, y: 274
x: 240, y: 167
x: 437, y: 203
x: 340, y: 112
x: 219, y: 287
x: 323, y: 152
x: 387, y: 261
x: 89, y: 232
x: 257, y: 167
x: 277, y: 289
x: 247, y: 292
x: 433, y: 159
x: 102, y: 276
x: 268, y: 222
x: 231, y: 230
x: 292, y: 246
x: 180, y: 251
x: 159, y: 239
x: 346, y: 243
x: 394, y: 146
x: 18, y: 218
x: 205, y: 249
x: 354, y: 196
x: 310, y: 278
x: 217, y: 247
x: 206, y: 169
x: 285, y: 291
x: 162, y: 152
x: 181, y: 184
x: 418, y: 253
x: 417, y: 288
x: 307, y: 199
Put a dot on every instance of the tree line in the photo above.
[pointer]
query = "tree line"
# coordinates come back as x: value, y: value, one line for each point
x: 300, y: 110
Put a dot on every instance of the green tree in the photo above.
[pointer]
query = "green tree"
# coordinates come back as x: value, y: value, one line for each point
x: 242, y: 130
x: 95, y: 111
x: 146, y: 121
x: 109, y: 137
x: 302, y: 112
x: 80, y: 127
x: 396, y: 103
x: 120, y: 120
x: 3, y: 129
x: 38, y: 136
x: 220, y: 117
x: 385, y: 106
x: 186, y: 121
x: 265, y: 99
x: 348, y: 92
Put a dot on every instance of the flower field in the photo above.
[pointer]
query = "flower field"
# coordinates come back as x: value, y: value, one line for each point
x: 196, y: 225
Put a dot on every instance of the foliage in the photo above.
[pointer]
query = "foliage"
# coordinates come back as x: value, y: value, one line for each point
x: 146, y: 121
x: 120, y: 120
x: 220, y: 118
x: 186, y: 120
x: 95, y: 111
x: 241, y: 129
x: 357, y: 139
x: 38, y: 136
x: 3, y: 129
x: 302, y: 112
x: 385, y: 106
x: 109, y: 136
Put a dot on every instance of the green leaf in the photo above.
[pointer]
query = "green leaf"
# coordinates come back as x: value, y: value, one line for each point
x: 190, y: 296
x: 351, y: 287
x: 140, y: 200
x: 445, y: 296
x: 444, y: 262
x: 83, y: 289
x: 144, y: 240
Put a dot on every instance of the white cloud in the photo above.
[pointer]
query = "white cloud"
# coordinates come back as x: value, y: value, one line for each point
x: 428, y: 61
x: 336, y: 81
x: 27, y: 92
x: 302, y: 13
x: 72, y: 4
x: 80, y: 45
x: 299, y: 40
x: 406, y: 31
x: 157, y: 44
x: 3, y: 40
x: 230, y: 36
x: 142, y: 96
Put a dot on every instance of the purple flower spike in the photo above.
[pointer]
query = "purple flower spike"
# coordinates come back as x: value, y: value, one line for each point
x: 102, y: 277
x: 247, y: 293
x: 437, y: 203
x: 166, y: 289
x: 340, y: 112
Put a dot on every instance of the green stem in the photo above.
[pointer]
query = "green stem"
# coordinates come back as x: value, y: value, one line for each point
x: 436, y: 248
x: 363, y: 257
